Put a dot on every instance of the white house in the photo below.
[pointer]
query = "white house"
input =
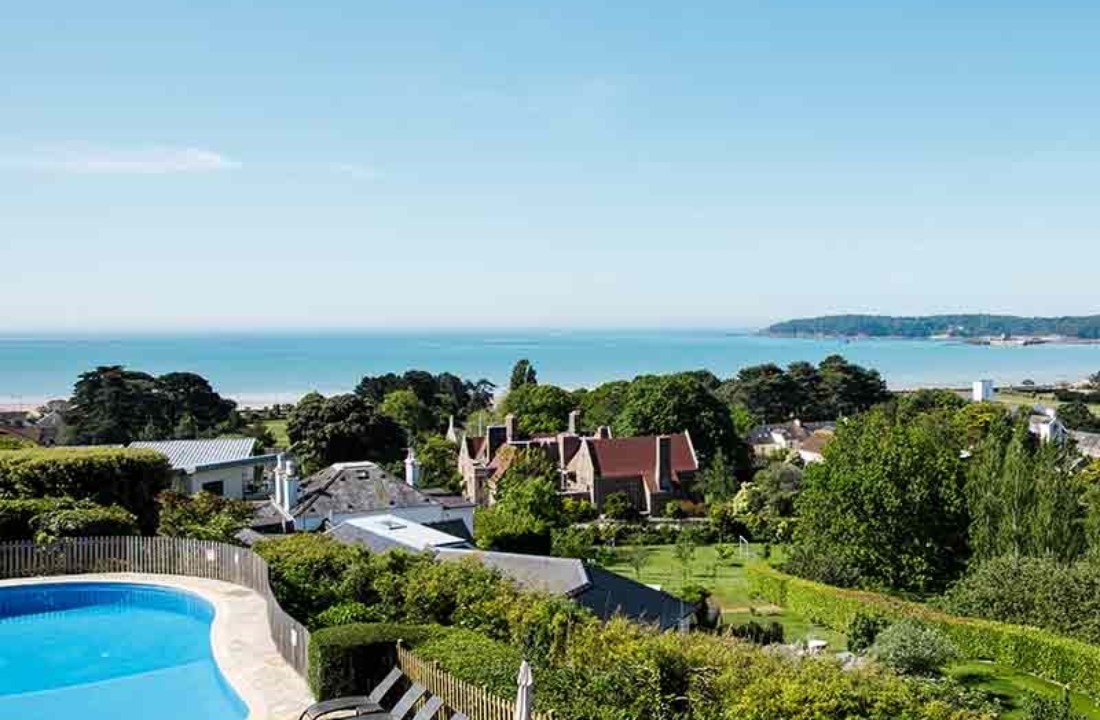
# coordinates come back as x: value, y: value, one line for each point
x: 345, y: 491
x: 222, y: 466
x: 982, y: 391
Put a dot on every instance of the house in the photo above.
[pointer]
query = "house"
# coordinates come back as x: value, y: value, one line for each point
x: 605, y: 593
x: 651, y: 469
x: 27, y: 434
x: 345, y: 491
x: 1044, y: 424
x: 379, y: 533
x: 774, y: 438
x: 222, y: 466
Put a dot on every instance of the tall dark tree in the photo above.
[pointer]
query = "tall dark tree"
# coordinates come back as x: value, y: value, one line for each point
x: 523, y: 373
x: 342, y: 428
x: 851, y: 387
x: 189, y: 398
x: 539, y: 409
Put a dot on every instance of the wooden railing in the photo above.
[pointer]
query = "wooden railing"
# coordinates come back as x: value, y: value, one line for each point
x: 162, y: 556
x: 458, y: 695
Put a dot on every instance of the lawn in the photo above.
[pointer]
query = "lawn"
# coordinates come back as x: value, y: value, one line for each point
x: 726, y: 580
x: 277, y: 428
x: 1010, y: 686
x: 1023, y: 400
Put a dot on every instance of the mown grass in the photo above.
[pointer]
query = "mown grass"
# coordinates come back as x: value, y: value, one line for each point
x: 1011, y: 687
x: 277, y: 428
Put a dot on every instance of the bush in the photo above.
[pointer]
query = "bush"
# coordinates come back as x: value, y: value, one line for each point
x: 863, y: 630
x: 84, y: 522
x: 757, y: 634
x: 347, y: 613
x: 308, y: 572
x: 578, y: 510
x: 1042, y: 592
x: 17, y: 514
x: 352, y: 659
x: 474, y: 658
x: 912, y: 648
x: 1039, y: 707
x: 203, y: 516
x: 617, y: 506
x: 1029, y: 650
x: 574, y: 542
x: 131, y: 479
x: 499, y: 529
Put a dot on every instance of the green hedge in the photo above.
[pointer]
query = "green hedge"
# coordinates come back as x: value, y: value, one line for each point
x: 16, y: 515
x: 84, y: 522
x: 109, y: 476
x: 351, y: 659
x: 1026, y: 649
x: 470, y: 656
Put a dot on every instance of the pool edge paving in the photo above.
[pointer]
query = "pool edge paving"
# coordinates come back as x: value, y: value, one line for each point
x: 239, y: 638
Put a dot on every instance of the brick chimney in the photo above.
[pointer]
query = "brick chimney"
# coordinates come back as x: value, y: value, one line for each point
x: 573, y: 416
x: 663, y: 468
x: 511, y: 428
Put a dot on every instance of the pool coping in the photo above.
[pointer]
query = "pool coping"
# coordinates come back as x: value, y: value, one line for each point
x: 239, y: 638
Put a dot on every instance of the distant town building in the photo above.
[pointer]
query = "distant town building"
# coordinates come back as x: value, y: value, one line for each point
x: 1044, y: 423
x: 808, y: 439
x: 982, y: 391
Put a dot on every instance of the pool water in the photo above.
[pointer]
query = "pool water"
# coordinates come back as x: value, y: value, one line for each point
x: 105, y: 651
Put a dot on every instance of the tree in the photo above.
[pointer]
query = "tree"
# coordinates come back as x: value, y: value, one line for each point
x: 406, y: 409
x: 438, y: 458
x: 191, y: 403
x: 442, y: 395
x: 718, y: 480
x: 887, y: 507
x: 539, y: 409
x: 529, y: 485
x: 602, y: 405
x: 851, y: 388
x: 666, y: 404
x: 523, y: 373
x: 767, y: 391
x: 342, y: 428
x: 1077, y: 416
x: 684, y: 552
x: 203, y: 516
x: 638, y: 557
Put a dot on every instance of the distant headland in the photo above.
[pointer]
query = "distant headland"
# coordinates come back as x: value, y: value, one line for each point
x: 975, y: 328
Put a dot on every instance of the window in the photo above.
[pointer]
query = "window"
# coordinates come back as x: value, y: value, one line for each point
x: 215, y: 488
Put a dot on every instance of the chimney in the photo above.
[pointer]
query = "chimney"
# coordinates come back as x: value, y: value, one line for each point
x: 412, y: 469
x: 290, y: 486
x: 277, y: 480
x: 495, y: 436
x: 511, y: 428
x: 603, y: 432
x: 452, y: 432
x: 664, y: 462
x: 573, y: 415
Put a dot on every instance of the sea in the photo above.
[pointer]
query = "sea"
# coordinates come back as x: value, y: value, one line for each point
x: 258, y: 369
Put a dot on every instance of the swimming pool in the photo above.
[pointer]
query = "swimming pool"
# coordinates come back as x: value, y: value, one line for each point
x: 104, y: 651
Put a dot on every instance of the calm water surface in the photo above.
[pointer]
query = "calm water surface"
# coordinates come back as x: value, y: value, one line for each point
x: 254, y: 367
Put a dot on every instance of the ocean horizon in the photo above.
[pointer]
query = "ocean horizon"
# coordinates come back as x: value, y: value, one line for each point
x: 261, y: 367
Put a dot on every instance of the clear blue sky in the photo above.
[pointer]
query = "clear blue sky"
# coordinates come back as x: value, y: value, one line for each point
x: 361, y: 164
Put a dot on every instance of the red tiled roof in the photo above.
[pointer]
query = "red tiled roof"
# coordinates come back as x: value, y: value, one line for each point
x: 632, y: 456
x: 474, y: 444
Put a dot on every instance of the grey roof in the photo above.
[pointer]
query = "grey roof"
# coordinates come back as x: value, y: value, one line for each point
x: 353, y: 488
x: 382, y: 532
x: 447, y: 499
x: 188, y: 455
x: 762, y: 434
x: 455, y: 526
x: 605, y: 593
x: 1087, y: 443
x: 557, y: 576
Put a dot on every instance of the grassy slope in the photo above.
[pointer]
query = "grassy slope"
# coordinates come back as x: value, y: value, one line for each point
x: 278, y: 430
x: 727, y: 582
x: 1045, y: 399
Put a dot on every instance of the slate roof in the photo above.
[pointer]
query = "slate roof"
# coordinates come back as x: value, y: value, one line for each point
x: 189, y: 455
x: 605, y: 593
x: 1087, y: 443
x: 762, y: 434
x: 637, y: 456
x: 354, y: 487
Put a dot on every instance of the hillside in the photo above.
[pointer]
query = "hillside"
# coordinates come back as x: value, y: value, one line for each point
x: 968, y: 326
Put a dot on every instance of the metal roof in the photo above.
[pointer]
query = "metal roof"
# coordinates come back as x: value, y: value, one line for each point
x: 378, y: 532
x: 191, y: 455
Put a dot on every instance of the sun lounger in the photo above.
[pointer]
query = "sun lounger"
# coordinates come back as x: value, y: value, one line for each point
x: 361, y: 704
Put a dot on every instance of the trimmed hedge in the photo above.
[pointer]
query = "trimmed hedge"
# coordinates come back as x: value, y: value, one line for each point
x: 109, y: 476
x: 351, y: 659
x: 84, y: 522
x: 1026, y: 649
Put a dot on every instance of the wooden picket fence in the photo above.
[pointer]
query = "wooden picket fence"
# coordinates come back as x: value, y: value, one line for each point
x: 460, y: 696
x: 162, y: 556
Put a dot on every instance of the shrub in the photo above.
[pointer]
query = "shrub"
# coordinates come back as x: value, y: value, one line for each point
x: 472, y: 657
x: 1027, y: 649
x: 17, y: 514
x: 128, y: 478
x: 84, y: 522
x: 12, y: 442
x: 578, y: 510
x: 203, y: 516
x: 347, y: 613
x: 497, y: 528
x: 1039, y: 707
x: 912, y: 648
x: 308, y: 571
x: 573, y: 542
x: 758, y: 634
x: 617, y: 506
x: 863, y: 630
x: 351, y: 659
